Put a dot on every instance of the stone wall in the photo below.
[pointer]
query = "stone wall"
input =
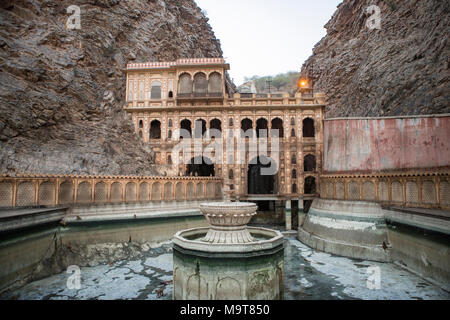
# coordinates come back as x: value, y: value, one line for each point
x: 384, y: 144
x: 84, y: 190
x: 429, y: 189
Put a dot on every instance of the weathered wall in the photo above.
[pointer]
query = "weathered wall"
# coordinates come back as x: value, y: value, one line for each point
x: 369, y: 145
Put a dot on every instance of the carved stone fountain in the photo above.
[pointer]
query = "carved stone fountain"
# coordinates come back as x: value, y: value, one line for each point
x: 228, y: 259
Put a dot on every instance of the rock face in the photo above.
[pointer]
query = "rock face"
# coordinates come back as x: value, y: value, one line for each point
x: 400, y: 69
x: 62, y: 91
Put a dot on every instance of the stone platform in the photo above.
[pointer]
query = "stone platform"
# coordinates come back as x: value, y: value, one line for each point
x: 354, y: 229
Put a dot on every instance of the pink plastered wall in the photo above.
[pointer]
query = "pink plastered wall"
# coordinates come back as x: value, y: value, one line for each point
x: 384, y: 144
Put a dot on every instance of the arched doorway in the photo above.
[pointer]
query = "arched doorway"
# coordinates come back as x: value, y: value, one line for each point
x: 258, y: 182
x: 247, y: 124
x: 155, y: 130
x: 186, y: 125
x: 310, y: 185
x: 308, y: 128
x: 200, y: 167
x: 261, y: 124
x: 277, y: 124
x: 309, y: 163
x: 200, y: 128
x: 217, y: 125
x: 184, y: 84
x: 200, y: 84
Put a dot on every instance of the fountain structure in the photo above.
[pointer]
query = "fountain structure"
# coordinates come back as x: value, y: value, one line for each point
x: 228, y: 259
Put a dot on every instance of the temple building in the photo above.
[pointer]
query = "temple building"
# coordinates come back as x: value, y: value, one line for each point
x: 193, y: 94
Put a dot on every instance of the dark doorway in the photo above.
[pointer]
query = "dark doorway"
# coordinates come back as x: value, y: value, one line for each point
x: 261, y: 124
x: 259, y: 183
x: 308, y: 128
x: 186, y: 125
x: 200, y: 128
x: 309, y: 163
x: 277, y: 124
x: 310, y: 185
x: 216, y: 124
x: 247, y: 124
x: 200, y: 167
x: 294, y: 215
x: 155, y: 130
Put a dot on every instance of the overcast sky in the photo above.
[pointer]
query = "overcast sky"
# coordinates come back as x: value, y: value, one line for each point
x: 267, y: 37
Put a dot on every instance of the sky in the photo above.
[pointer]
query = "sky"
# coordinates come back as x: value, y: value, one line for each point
x: 267, y: 37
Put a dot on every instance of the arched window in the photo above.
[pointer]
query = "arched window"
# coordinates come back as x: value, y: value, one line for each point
x: 140, y: 134
x: 294, y: 159
x: 310, y: 185
x: 141, y: 124
x: 246, y: 125
x: 231, y: 174
x: 170, y: 123
x: 309, y: 163
x: 200, y: 83
x: 185, y: 84
x: 186, y: 125
x: 155, y: 129
x: 215, y: 83
x: 261, y: 124
x: 294, y: 174
x: 230, y: 122
x: 292, y: 121
x: 217, y: 125
x: 277, y: 124
x: 308, y: 128
x: 170, y: 94
x: 200, y: 128
x: 155, y: 92
x: 293, y: 133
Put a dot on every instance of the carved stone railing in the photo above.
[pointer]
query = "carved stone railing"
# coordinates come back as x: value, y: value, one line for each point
x: 419, y: 188
x: 53, y: 190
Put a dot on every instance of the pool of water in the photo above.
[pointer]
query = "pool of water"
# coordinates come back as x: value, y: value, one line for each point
x: 309, y: 274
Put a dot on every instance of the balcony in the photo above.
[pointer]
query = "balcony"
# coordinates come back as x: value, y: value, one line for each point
x: 197, y: 95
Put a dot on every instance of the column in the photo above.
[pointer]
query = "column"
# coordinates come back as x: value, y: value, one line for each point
x: 287, y: 215
x: 301, y: 213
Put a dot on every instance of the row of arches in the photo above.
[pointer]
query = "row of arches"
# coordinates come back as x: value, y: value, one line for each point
x: 246, y: 124
x: 427, y: 192
x: 102, y: 192
x: 200, y: 83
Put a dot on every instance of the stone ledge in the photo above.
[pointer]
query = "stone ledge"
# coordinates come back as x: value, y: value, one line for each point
x: 373, y: 253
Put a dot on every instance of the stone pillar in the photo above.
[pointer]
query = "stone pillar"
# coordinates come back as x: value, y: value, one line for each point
x: 287, y: 215
x: 301, y: 212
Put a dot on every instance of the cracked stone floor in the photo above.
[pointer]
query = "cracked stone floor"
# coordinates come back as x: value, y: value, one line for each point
x: 308, y: 275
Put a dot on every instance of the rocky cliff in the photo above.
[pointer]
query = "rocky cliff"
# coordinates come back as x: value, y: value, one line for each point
x: 400, y: 69
x: 62, y: 90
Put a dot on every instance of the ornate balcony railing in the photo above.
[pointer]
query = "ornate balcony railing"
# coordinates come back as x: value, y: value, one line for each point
x: 54, y: 190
